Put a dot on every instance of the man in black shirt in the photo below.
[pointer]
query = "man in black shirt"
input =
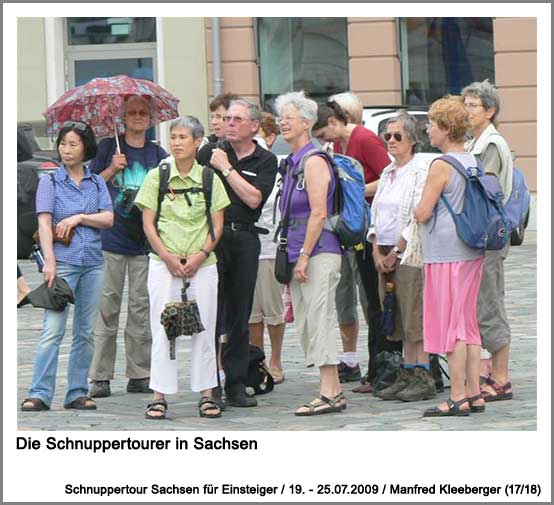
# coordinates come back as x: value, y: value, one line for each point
x: 248, y: 172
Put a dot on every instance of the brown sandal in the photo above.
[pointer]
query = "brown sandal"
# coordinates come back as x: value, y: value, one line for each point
x: 476, y: 409
x: 36, y: 405
x: 81, y: 403
x: 500, y: 392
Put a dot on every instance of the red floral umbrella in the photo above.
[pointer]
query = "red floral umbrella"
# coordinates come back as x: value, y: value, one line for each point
x: 98, y: 103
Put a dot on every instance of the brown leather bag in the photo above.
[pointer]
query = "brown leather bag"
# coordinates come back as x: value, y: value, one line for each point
x: 62, y: 240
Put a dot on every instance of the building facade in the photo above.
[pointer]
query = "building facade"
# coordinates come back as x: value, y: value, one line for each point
x: 386, y: 61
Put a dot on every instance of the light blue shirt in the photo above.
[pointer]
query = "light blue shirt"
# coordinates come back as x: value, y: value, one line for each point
x: 64, y: 199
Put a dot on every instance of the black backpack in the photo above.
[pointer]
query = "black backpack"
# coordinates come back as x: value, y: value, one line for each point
x: 164, y: 189
x: 258, y: 378
x: 387, y: 368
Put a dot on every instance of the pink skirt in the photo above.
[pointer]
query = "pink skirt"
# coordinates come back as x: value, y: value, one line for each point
x: 450, y: 294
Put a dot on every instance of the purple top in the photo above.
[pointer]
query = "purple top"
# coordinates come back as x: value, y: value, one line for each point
x: 300, y: 211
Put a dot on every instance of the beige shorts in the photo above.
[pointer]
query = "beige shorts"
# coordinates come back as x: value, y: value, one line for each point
x: 314, y: 316
x: 408, y: 320
x: 267, y: 305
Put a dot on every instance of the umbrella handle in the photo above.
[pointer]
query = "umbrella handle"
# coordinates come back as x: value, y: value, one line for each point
x: 116, y: 138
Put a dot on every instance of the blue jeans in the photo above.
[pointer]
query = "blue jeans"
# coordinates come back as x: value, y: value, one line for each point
x: 86, y: 283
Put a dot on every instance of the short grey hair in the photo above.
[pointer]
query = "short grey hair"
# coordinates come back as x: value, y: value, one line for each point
x: 190, y: 122
x: 411, y: 127
x: 488, y: 95
x: 254, y: 111
x: 306, y: 106
x: 351, y: 105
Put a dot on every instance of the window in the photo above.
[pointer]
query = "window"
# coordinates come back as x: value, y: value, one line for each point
x: 83, y: 31
x: 442, y: 55
x: 302, y: 53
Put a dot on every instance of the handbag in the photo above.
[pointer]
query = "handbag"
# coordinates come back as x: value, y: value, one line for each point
x: 412, y: 256
x: 62, y: 240
x: 283, y: 268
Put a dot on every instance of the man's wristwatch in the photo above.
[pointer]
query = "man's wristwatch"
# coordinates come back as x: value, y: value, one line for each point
x: 206, y: 253
x: 303, y: 252
x: 226, y: 171
x: 397, y: 251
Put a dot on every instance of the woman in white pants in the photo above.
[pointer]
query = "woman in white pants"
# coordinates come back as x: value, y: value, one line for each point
x: 182, y: 248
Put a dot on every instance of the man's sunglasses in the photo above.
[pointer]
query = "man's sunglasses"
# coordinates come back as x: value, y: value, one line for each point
x: 397, y: 136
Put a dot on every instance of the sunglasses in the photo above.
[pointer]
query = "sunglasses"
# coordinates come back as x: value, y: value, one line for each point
x: 397, y: 136
x: 77, y: 125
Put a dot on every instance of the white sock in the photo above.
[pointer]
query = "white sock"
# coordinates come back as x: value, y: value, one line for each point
x: 349, y: 358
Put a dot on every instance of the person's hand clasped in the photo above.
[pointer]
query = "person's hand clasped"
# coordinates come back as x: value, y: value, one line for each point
x: 300, y: 269
x: 175, y: 265
x: 219, y: 160
x: 64, y: 227
x: 194, y: 262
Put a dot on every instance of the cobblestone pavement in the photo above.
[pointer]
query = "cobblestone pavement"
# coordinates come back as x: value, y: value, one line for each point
x: 124, y: 411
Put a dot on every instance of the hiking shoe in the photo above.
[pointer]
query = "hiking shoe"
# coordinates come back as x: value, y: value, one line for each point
x: 139, y: 385
x: 349, y: 373
x: 402, y: 381
x: 100, y: 389
x: 421, y: 387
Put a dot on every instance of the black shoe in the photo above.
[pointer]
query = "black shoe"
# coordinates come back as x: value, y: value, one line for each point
x: 100, y: 389
x: 139, y: 385
x: 349, y: 373
x: 239, y: 398
x: 217, y: 397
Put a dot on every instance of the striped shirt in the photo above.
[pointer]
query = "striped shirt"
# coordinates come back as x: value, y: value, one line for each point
x: 64, y: 199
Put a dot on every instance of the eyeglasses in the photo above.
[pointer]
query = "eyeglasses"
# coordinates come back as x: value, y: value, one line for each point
x: 235, y: 119
x: 141, y: 113
x: 473, y: 105
x: 286, y: 119
x: 397, y: 136
x: 218, y: 116
x: 77, y: 125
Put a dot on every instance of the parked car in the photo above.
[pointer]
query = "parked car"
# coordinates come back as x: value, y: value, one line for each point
x: 34, y: 160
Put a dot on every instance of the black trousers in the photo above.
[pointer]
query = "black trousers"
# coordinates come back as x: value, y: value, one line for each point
x: 237, y: 254
x: 376, y: 342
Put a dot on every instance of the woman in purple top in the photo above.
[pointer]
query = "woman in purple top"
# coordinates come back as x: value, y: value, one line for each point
x: 315, y: 251
x: 72, y: 200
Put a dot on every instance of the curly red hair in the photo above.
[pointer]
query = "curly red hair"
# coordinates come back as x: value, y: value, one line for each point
x: 450, y: 114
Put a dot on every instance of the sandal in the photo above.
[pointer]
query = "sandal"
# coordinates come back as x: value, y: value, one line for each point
x: 453, y: 409
x: 36, y: 405
x: 81, y: 403
x: 329, y: 405
x: 156, y: 406
x: 476, y: 409
x: 205, y: 405
x: 364, y: 387
x: 500, y: 392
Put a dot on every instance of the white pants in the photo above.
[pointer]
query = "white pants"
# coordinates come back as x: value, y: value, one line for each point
x: 164, y: 288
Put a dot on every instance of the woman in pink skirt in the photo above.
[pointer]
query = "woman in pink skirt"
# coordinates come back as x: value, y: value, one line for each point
x: 452, y: 269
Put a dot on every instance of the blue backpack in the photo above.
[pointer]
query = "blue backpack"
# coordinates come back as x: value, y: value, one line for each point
x: 351, y: 218
x: 517, y: 206
x: 482, y: 223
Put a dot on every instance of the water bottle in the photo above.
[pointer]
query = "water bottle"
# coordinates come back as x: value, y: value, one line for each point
x: 36, y: 254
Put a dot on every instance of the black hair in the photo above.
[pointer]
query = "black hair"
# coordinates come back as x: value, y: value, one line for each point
x: 328, y: 110
x: 85, y: 133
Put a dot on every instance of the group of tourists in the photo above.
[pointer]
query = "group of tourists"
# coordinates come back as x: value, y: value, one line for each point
x: 203, y: 222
